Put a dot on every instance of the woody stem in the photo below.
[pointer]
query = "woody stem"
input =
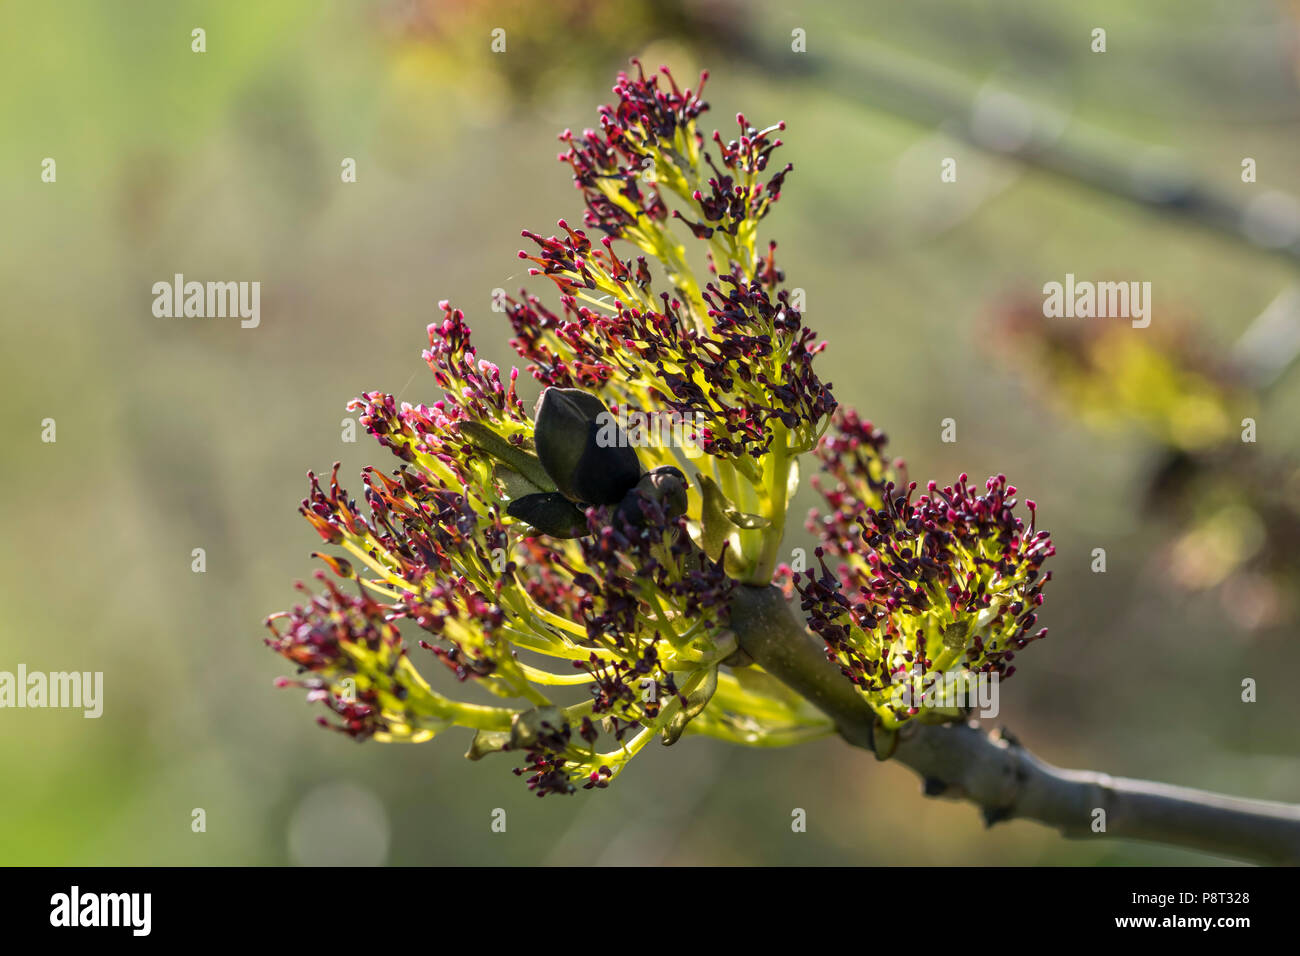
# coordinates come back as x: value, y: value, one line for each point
x: 1001, y: 777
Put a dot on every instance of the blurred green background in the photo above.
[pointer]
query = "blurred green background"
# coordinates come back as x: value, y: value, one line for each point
x: 177, y: 434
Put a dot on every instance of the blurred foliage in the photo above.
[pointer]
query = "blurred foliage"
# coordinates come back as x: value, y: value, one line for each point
x: 1233, y: 511
x: 1111, y: 376
x: 176, y: 434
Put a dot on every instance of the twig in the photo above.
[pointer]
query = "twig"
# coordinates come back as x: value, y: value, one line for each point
x: 1004, y: 779
x: 1005, y: 124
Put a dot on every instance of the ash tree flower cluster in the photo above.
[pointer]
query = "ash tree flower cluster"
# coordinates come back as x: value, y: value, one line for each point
x: 948, y: 579
x: 576, y: 588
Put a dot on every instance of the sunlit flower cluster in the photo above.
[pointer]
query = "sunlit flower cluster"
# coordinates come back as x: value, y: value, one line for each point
x: 734, y: 349
x: 949, y: 580
x: 575, y: 586
x: 573, y: 579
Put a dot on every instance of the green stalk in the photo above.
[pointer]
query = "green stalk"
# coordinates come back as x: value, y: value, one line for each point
x: 778, y: 477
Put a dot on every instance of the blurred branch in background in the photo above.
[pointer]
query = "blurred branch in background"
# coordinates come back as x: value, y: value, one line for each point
x: 1270, y: 346
x: 1007, y: 124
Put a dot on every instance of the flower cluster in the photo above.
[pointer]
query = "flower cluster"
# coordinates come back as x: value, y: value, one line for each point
x: 582, y: 579
x: 649, y: 142
x: 854, y: 476
x: 648, y: 148
x: 449, y: 545
x: 509, y: 540
x: 948, y: 582
x: 731, y: 354
x: 354, y: 661
x: 748, y: 376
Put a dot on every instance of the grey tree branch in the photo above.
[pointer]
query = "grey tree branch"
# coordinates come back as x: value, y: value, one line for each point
x: 1001, y: 777
x: 1009, y: 125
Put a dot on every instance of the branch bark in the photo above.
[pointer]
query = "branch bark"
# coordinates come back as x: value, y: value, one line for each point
x: 1001, y: 777
x: 926, y: 93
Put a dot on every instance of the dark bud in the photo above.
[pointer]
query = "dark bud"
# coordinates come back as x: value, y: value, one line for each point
x: 550, y: 513
x: 582, y: 448
x: 666, y: 486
